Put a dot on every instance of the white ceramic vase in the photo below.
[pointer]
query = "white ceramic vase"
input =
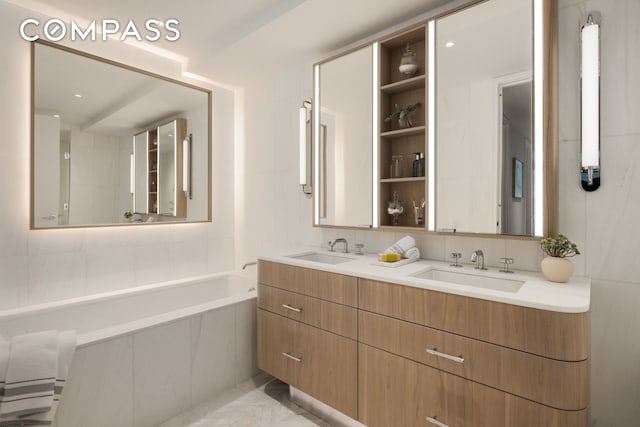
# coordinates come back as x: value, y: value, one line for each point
x: 557, y: 269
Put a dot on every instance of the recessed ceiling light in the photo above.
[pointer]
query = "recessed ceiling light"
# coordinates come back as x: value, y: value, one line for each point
x: 450, y: 44
x: 78, y: 95
x: 57, y: 116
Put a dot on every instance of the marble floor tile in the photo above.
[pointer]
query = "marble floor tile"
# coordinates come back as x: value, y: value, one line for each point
x: 259, y: 402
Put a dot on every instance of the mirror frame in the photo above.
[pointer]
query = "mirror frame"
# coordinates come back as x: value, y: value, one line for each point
x: 208, y: 92
x: 548, y: 11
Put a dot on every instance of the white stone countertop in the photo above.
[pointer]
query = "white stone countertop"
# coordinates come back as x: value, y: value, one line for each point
x: 535, y: 292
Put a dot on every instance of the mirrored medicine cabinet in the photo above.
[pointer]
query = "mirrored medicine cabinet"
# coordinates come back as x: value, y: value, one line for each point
x: 462, y: 137
x: 115, y: 145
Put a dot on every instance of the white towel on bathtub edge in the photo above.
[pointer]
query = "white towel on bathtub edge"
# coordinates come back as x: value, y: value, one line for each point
x: 66, y: 345
x: 31, y: 374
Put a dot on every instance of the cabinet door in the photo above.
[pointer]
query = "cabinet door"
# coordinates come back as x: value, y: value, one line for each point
x: 275, y: 339
x: 328, y: 370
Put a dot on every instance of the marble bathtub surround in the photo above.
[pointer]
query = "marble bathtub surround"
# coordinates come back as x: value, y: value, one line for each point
x: 151, y: 375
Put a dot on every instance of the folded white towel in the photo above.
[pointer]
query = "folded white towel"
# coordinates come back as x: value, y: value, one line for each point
x: 65, y: 349
x: 401, y: 245
x: 412, y: 253
x: 31, y: 374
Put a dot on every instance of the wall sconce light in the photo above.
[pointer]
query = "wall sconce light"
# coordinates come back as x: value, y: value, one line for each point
x: 186, y: 166
x: 305, y: 147
x: 590, y: 103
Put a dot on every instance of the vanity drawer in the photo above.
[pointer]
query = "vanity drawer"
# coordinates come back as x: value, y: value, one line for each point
x: 319, y: 363
x: 399, y: 392
x: 336, y: 318
x: 333, y: 287
x: 555, y: 383
x: 562, y: 336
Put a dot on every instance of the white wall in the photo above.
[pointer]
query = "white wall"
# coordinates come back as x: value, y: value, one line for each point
x: 47, y: 170
x: 604, y: 223
x: 467, y: 135
x: 45, y: 265
x: 95, y: 178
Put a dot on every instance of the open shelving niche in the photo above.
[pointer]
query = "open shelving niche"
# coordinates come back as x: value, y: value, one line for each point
x: 397, y: 88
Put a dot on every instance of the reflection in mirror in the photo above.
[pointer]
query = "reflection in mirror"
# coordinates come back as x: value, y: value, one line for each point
x: 90, y: 116
x: 484, y: 139
x: 343, y: 140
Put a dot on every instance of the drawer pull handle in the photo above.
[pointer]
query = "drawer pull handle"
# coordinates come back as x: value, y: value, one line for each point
x: 435, y: 352
x: 297, y: 359
x: 433, y: 420
x: 288, y: 307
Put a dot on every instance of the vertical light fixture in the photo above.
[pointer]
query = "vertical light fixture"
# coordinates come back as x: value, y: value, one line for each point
x: 375, y: 111
x: 590, y: 103
x: 186, y: 166
x: 315, y: 110
x: 132, y: 174
x: 538, y: 117
x: 304, y: 119
x: 431, y: 208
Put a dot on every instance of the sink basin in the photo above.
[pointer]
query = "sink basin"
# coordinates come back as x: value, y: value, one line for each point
x: 321, y: 258
x: 468, y: 279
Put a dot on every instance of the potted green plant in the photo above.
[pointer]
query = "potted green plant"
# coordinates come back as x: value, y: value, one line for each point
x: 555, y: 265
x: 127, y: 215
x: 402, y: 115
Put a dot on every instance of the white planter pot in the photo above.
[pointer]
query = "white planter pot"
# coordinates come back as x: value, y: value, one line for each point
x: 557, y: 269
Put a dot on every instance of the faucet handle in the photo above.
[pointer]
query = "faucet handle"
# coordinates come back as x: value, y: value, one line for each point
x: 359, y: 247
x: 331, y: 243
x: 456, y: 256
x: 506, y: 262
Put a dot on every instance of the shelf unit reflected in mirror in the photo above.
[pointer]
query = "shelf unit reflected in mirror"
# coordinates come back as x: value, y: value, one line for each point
x: 158, y: 170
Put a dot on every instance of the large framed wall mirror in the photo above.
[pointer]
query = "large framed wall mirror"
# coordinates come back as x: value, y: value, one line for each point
x: 486, y: 86
x: 114, y: 145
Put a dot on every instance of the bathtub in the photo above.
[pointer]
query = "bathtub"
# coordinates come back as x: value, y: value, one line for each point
x: 147, y: 353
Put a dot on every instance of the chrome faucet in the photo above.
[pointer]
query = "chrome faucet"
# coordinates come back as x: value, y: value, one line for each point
x: 478, y: 256
x: 339, y: 240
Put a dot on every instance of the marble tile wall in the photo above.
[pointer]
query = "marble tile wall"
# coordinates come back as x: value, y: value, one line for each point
x: 145, y: 378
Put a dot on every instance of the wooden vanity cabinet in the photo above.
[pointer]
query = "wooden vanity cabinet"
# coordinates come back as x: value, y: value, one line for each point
x: 305, y: 341
x: 394, y: 355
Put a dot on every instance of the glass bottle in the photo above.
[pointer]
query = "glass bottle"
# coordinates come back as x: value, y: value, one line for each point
x: 396, y: 167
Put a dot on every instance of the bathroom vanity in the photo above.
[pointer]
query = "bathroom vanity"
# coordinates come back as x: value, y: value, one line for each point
x: 408, y: 347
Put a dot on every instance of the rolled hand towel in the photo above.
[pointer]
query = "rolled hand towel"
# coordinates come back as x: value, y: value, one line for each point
x: 31, y: 374
x: 412, y: 253
x: 401, y: 245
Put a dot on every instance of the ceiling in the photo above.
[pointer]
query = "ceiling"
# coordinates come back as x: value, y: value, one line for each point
x: 227, y: 41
